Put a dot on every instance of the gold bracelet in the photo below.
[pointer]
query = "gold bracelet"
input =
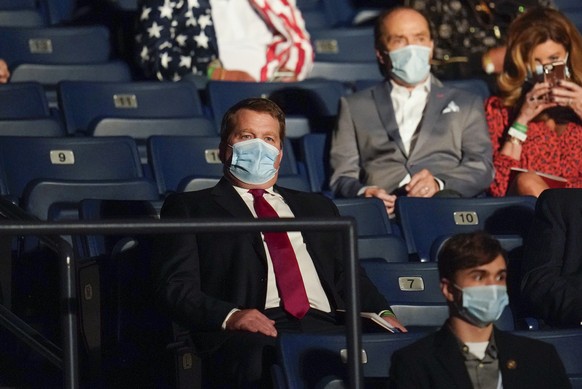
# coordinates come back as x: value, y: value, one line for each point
x: 515, y: 141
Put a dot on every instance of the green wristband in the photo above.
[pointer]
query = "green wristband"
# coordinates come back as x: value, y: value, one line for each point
x: 519, y: 127
x: 387, y: 313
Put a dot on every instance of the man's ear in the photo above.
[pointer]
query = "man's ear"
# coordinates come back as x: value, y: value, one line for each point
x: 380, y: 57
x: 277, y: 163
x: 447, y: 290
x: 222, y: 153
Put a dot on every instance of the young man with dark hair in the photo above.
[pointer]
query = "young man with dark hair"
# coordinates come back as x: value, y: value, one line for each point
x: 468, y: 351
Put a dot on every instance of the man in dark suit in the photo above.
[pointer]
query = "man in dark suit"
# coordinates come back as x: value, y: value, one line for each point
x: 409, y: 135
x: 468, y: 351
x: 551, y: 284
x: 228, y: 288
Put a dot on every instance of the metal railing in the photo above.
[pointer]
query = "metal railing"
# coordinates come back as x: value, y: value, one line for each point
x: 69, y: 361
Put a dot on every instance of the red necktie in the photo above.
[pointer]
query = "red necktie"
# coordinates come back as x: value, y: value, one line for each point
x: 287, y: 273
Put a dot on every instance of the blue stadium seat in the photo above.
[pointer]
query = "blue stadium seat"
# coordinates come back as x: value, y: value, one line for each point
x: 32, y: 127
x: 316, y: 100
x: 134, y: 334
x: 23, y: 100
x: 427, y: 222
x: 58, y: 199
x: 49, y: 75
x: 141, y: 129
x: 177, y: 160
x: 25, y: 111
x: 84, y: 103
x: 55, y: 45
x: 370, y: 214
x: 382, y: 248
x: 347, y: 72
x: 314, y: 153
x: 21, y: 18
x: 17, y: 4
x: 353, y: 44
x: 24, y: 159
x: 568, y: 344
x: 320, y: 360
x: 320, y: 14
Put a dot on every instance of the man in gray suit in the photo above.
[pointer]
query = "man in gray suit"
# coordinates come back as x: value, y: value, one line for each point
x: 409, y: 135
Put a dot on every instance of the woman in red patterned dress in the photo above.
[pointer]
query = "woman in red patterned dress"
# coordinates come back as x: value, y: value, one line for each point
x: 535, y: 123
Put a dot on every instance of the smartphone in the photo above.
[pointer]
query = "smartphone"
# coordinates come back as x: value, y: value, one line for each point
x: 554, y: 72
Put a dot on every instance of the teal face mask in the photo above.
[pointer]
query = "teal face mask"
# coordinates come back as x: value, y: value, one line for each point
x: 411, y: 64
x: 482, y: 305
x: 253, y: 161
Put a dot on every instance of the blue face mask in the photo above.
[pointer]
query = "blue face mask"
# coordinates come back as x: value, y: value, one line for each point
x: 253, y: 161
x: 410, y: 64
x: 482, y: 305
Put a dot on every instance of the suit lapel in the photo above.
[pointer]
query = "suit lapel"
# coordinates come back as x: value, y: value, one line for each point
x: 508, y: 360
x: 226, y: 197
x: 381, y: 95
x: 449, y: 356
x: 438, y: 99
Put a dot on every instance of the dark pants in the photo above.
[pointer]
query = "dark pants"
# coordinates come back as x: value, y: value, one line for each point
x: 244, y: 360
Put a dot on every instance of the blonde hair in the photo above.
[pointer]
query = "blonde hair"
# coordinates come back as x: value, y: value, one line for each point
x: 536, y: 26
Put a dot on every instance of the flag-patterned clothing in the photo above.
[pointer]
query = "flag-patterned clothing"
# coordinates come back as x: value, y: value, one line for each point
x: 176, y: 37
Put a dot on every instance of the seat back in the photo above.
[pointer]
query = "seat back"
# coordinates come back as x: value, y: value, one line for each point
x: 56, y: 45
x: 355, y: 44
x: 176, y: 158
x: 23, y: 100
x: 31, y: 127
x: 568, y: 344
x: 426, y: 222
x: 49, y: 75
x: 347, y: 72
x: 141, y: 129
x: 84, y: 103
x: 59, y: 199
x: 313, y: 360
x: 314, y: 153
x: 316, y: 100
x: 369, y: 212
x: 134, y: 332
x: 21, y: 18
x: 23, y: 159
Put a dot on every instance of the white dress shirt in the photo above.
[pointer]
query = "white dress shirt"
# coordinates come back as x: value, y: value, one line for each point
x: 242, y: 36
x: 313, y: 288
x: 409, y: 107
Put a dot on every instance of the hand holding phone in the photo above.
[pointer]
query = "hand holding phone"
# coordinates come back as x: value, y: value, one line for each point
x: 554, y: 72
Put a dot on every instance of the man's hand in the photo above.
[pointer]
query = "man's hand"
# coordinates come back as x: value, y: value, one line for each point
x: 4, y: 72
x: 388, y: 199
x: 223, y: 74
x: 251, y: 320
x: 395, y: 323
x: 422, y: 184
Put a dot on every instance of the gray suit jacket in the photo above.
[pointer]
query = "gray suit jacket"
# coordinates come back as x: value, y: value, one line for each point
x: 453, y: 142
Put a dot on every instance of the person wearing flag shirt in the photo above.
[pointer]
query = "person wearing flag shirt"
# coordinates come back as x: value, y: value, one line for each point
x: 234, y: 40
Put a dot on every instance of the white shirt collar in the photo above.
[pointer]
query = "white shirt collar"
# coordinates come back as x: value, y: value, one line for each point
x: 402, y: 90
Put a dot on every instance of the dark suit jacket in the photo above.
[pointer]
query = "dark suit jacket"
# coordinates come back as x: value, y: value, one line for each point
x: 201, y: 278
x: 437, y: 362
x: 453, y: 142
x: 552, y: 261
